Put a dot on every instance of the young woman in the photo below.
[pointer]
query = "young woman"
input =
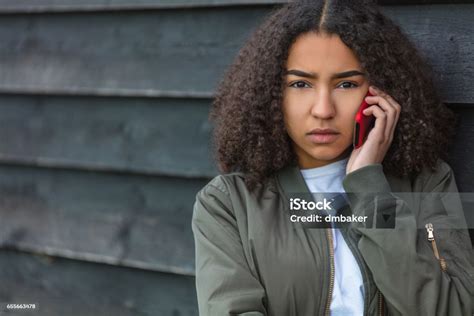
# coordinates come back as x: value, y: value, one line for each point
x: 284, y: 119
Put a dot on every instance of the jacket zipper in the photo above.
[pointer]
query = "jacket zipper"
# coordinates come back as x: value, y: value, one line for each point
x: 363, y: 271
x: 331, y: 264
x: 431, y: 238
x: 380, y: 298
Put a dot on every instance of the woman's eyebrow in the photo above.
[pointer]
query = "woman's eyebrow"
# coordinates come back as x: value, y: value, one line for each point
x: 312, y: 75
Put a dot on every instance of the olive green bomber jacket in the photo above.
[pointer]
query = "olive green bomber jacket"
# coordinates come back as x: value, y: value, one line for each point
x: 252, y: 261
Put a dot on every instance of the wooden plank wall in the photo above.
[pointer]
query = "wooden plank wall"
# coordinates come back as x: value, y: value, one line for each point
x: 105, y: 139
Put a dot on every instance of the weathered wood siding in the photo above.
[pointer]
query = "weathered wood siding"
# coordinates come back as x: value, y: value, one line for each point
x: 105, y: 139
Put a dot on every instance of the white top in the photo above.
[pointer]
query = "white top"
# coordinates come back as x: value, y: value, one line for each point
x: 348, y: 294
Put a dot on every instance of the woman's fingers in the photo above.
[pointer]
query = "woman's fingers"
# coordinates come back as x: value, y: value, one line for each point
x: 386, y: 111
x: 390, y: 107
x: 380, y: 122
x: 389, y: 111
x: 387, y: 97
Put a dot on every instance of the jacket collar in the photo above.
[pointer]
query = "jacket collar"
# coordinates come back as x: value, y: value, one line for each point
x: 291, y: 181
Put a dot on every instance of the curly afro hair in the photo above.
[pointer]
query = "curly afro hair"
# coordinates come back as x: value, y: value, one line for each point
x: 249, y: 134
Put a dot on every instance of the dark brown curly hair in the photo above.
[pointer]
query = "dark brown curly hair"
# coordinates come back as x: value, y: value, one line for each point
x: 249, y: 135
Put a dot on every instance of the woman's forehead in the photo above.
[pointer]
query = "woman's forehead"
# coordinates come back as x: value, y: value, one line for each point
x: 318, y: 52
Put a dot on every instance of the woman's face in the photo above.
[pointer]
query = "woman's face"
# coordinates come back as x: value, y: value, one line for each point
x: 324, y: 87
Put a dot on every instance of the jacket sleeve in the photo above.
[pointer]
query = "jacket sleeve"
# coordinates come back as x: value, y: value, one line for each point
x: 224, y: 283
x: 401, y: 258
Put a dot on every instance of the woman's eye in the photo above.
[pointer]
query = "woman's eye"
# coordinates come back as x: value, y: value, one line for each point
x: 348, y: 85
x: 299, y: 84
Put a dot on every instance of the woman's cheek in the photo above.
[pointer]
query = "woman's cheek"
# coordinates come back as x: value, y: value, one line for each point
x: 348, y: 133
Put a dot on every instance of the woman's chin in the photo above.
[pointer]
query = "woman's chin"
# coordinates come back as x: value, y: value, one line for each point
x: 330, y: 154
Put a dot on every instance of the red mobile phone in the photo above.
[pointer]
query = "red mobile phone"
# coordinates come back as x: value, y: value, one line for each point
x: 362, y: 125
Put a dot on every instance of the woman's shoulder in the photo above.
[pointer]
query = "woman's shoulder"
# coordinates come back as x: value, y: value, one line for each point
x: 434, y: 179
x: 442, y: 168
x: 225, y: 183
x: 231, y: 191
x: 226, y: 196
x: 234, y: 184
x: 428, y: 179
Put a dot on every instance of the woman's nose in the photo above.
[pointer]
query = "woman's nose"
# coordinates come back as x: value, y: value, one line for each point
x: 323, y: 106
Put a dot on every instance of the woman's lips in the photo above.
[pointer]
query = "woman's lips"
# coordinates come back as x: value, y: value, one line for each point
x: 323, y: 138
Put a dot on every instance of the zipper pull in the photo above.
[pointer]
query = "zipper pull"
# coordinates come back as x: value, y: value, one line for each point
x: 429, y: 229
x: 442, y: 261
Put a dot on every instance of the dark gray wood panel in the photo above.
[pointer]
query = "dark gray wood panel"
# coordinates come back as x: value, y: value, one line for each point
x: 462, y: 149
x: 444, y: 34
x: 154, y: 53
x: 134, y: 221
x: 34, y: 6
x: 149, y: 136
x: 68, y: 287
x: 163, y: 53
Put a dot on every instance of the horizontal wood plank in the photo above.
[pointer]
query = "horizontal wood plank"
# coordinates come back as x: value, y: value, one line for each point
x: 157, y: 137
x: 137, y: 54
x: 68, y: 287
x: 152, y: 53
x: 134, y: 221
x: 41, y: 6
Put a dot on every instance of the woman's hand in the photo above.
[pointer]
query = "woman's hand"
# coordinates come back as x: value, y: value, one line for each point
x: 386, y: 111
